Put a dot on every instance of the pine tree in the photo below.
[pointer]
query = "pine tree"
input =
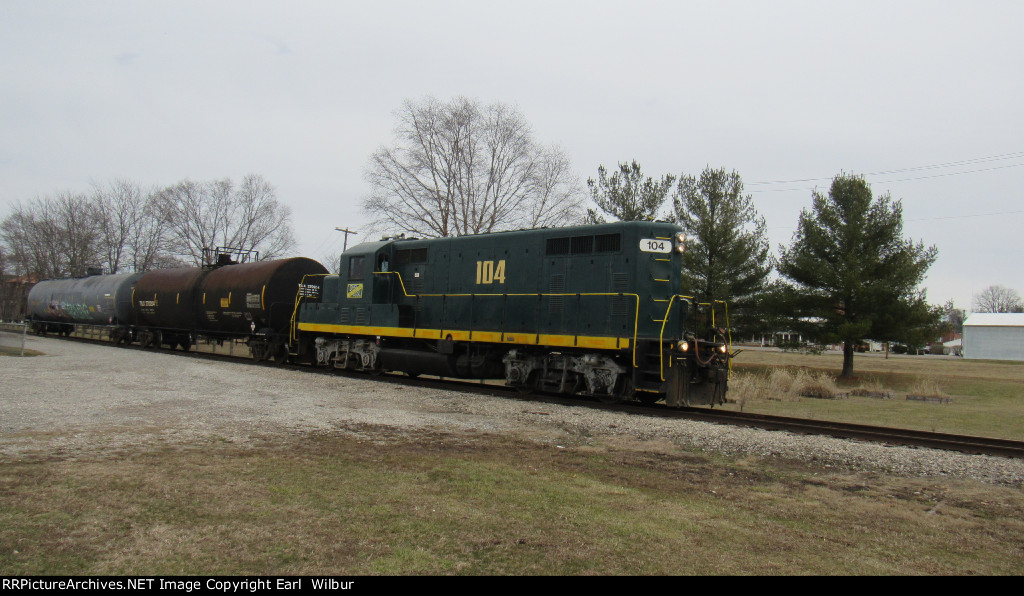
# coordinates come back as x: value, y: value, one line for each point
x: 627, y: 195
x: 726, y: 254
x: 852, y: 275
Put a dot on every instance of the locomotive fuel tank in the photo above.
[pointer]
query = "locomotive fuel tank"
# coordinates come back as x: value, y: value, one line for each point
x: 95, y: 300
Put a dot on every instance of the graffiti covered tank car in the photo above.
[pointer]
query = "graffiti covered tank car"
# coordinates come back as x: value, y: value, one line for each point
x: 55, y: 305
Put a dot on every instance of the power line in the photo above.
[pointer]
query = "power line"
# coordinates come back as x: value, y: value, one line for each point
x: 963, y: 216
x: 804, y: 189
x: 979, y: 160
x: 966, y: 215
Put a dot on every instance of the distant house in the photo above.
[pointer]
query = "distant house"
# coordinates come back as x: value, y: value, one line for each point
x: 14, y: 296
x: 996, y: 336
x: 951, y: 343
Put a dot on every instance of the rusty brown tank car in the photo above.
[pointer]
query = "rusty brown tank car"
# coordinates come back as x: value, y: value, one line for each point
x: 259, y: 296
x: 230, y: 301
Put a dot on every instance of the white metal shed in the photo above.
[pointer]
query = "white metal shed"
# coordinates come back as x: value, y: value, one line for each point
x: 996, y: 336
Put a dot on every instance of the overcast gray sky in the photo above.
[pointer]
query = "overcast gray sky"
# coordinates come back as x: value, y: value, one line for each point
x: 924, y: 98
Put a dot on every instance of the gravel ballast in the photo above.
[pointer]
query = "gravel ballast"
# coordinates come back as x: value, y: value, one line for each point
x: 80, y: 398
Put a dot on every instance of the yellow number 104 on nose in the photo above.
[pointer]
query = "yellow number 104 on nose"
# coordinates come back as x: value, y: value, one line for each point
x: 488, y: 273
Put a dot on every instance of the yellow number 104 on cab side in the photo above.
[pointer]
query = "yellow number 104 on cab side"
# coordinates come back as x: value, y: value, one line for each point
x: 487, y: 272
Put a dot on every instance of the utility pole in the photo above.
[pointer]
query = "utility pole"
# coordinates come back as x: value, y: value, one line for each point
x: 347, y: 232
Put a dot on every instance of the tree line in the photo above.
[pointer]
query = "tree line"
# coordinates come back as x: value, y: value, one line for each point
x: 123, y: 227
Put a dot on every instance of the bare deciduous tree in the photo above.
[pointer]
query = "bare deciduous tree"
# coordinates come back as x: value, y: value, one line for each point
x: 462, y: 168
x: 132, y: 231
x: 998, y: 299
x: 333, y: 262
x: 206, y: 215
x: 148, y: 240
x: 260, y: 221
x: 52, y: 237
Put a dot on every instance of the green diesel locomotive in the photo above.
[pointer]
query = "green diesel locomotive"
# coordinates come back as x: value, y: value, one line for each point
x: 595, y: 310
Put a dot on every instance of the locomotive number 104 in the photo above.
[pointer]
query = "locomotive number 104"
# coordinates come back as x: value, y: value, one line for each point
x: 489, y: 272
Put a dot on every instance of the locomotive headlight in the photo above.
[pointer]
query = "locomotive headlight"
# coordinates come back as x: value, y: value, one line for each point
x: 680, y: 237
x: 683, y: 346
x: 722, y: 348
x: 680, y: 248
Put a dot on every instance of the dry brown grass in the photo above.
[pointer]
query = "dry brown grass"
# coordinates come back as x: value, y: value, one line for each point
x: 870, y: 364
x: 985, y: 398
x: 818, y: 384
x: 781, y: 384
x: 927, y: 388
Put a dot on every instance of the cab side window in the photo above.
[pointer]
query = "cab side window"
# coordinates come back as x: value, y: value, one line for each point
x: 356, y: 267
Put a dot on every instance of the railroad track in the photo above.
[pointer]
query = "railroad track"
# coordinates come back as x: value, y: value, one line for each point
x: 876, y: 434
x: 862, y: 432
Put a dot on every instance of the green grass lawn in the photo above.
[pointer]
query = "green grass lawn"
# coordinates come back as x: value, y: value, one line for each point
x: 436, y: 504
x: 987, y: 397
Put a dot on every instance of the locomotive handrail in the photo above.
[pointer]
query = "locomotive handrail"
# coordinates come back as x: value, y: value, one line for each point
x: 728, y: 329
x: 661, y: 335
x: 636, y: 297
x: 711, y: 306
x: 298, y: 301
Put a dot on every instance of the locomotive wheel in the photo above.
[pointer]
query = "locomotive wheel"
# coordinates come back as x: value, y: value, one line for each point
x: 529, y: 386
x: 623, y: 391
x: 281, y: 356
